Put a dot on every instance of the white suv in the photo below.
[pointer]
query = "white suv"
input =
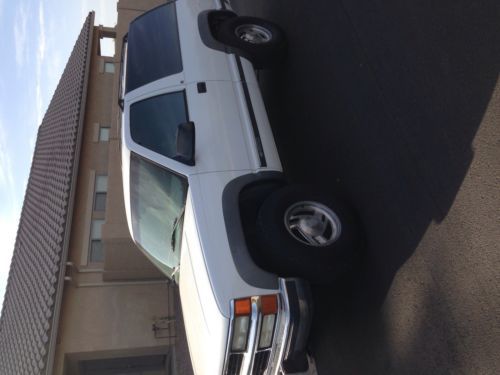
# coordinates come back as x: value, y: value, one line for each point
x: 213, y: 212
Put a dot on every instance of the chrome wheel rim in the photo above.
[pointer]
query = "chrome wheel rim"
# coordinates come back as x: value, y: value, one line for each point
x: 312, y: 223
x: 254, y: 34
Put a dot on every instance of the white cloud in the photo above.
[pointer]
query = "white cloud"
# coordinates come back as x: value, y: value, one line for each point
x: 40, y: 57
x: 49, y: 65
x: 105, y: 11
x: 8, y: 223
x: 41, y: 40
x: 9, y: 212
x: 20, y: 34
x: 6, y: 173
x: 56, y: 66
x: 106, y: 14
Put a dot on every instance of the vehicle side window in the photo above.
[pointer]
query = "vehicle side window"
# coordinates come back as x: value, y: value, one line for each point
x: 153, y: 50
x: 157, y: 200
x: 154, y: 122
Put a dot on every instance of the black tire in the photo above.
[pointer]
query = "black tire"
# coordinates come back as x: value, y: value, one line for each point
x: 264, y: 54
x: 280, y: 252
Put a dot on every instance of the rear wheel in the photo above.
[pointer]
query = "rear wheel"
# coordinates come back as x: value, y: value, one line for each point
x: 260, y: 41
x: 308, y: 234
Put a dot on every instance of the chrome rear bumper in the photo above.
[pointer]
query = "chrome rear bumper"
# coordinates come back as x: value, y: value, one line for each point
x: 295, y: 323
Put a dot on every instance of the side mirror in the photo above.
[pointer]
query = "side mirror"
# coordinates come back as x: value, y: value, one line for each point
x: 185, y: 143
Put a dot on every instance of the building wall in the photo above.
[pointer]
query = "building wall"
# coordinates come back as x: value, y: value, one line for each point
x: 110, y: 308
x: 30, y: 313
x: 111, y: 321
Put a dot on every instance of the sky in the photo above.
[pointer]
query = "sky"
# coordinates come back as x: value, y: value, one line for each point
x: 37, y: 39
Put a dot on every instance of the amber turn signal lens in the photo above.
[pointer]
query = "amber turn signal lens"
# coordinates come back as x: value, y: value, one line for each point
x: 242, y: 307
x: 269, y: 304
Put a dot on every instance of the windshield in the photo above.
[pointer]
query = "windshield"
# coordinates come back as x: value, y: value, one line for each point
x: 157, y: 200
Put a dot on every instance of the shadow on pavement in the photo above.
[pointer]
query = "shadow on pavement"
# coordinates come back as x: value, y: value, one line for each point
x: 381, y: 99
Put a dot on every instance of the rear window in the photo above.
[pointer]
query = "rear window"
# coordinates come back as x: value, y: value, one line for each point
x: 153, y: 50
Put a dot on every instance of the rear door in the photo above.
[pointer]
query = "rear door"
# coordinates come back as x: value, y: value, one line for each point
x: 165, y: 55
x: 221, y: 140
x: 152, y: 120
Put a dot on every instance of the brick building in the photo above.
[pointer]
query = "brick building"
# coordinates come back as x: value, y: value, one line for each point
x: 81, y: 298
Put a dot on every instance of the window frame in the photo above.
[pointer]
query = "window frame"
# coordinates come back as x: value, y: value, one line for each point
x: 92, y: 239
x: 156, y: 95
x: 108, y: 128
x: 123, y: 72
x: 96, y: 191
x: 109, y: 63
x: 171, y: 84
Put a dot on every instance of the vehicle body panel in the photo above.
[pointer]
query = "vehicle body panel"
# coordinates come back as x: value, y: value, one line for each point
x: 206, y: 328
x: 206, y: 195
x: 200, y: 63
x: 221, y: 144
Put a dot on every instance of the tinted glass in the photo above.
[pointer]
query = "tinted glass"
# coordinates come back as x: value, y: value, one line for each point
x: 96, y: 229
x: 109, y: 67
x: 154, y: 122
x: 153, y: 50
x: 100, y: 202
x: 96, y: 252
x: 157, y: 200
x: 101, y: 183
x: 104, y: 134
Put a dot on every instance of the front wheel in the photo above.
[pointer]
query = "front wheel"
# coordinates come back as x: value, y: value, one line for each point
x: 260, y: 41
x: 303, y: 233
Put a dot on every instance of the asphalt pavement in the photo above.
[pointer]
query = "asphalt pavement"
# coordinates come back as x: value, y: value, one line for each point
x: 396, y: 104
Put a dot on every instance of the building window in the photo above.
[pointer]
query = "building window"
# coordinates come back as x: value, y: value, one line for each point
x: 101, y: 189
x: 103, y: 134
x: 109, y: 67
x: 96, y: 251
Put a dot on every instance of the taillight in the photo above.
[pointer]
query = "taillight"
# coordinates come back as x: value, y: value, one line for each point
x: 242, y: 307
x: 269, y: 304
x: 252, y: 330
x: 241, y: 324
x: 266, y: 331
x: 269, y: 309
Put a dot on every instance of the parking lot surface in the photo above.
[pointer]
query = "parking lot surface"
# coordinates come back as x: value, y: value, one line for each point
x: 396, y: 105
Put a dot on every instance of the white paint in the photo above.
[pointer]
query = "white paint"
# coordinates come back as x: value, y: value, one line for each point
x: 225, y: 149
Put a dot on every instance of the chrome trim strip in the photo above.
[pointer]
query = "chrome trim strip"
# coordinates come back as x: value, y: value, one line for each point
x: 281, y: 331
x: 251, y: 113
x: 229, y: 335
x: 248, y: 356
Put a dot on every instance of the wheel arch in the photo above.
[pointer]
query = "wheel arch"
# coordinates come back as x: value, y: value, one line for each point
x: 208, y: 23
x: 241, y: 197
